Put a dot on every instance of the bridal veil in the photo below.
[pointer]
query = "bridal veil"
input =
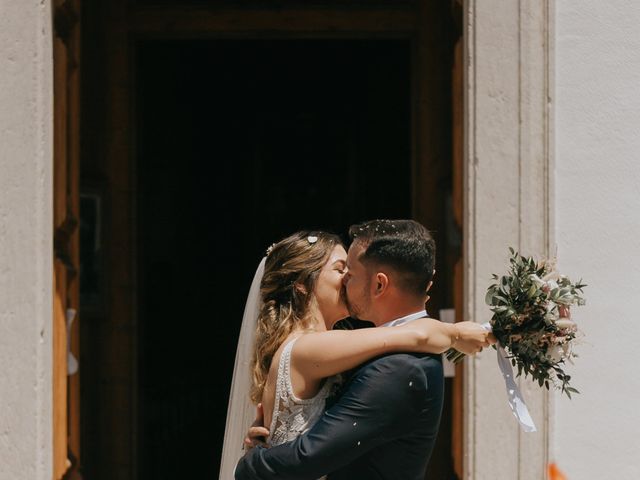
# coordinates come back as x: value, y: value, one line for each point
x: 240, y: 410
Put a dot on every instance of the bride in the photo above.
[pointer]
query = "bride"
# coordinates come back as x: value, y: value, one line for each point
x: 295, y: 300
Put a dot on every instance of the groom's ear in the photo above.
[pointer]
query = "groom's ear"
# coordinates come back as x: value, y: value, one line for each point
x: 380, y: 283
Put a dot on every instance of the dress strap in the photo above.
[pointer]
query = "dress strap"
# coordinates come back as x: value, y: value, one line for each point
x: 284, y: 368
x: 283, y: 382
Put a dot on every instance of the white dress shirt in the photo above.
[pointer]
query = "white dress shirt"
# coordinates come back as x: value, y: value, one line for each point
x: 407, y: 318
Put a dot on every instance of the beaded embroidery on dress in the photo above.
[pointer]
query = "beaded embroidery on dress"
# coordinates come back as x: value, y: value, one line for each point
x: 292, y: 416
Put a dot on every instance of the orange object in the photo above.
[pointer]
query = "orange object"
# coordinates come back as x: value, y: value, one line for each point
x: 555, y: 473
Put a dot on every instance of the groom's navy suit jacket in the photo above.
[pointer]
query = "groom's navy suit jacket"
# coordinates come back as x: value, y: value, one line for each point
x: 383, y: 426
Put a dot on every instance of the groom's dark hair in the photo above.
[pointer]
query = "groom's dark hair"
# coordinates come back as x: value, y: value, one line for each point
x: 405, y: 246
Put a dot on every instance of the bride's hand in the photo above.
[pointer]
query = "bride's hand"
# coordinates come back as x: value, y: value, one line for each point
x: 433, y: 336
x: 472, y: 338
x: 257, y: 433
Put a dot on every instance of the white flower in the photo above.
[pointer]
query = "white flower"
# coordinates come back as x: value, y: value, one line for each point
x: 537, y: 280
x: 555, y: 353
x: 566, y: 324
x: 558, y: 352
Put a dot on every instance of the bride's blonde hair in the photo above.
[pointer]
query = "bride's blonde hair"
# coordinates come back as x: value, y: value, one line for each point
x: 290, y: 274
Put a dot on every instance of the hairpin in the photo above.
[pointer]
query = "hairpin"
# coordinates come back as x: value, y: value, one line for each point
x: 270, y: 249
x: 312, y: 239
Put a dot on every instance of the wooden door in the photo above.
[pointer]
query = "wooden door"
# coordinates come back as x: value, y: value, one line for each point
x: 457, y: 120
x: 109, y: 155
x: 66, y: 381
x: 437, y: 187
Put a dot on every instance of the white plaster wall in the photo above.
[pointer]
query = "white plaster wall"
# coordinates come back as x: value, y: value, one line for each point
x: 597, y: 138
x: 25, y: 239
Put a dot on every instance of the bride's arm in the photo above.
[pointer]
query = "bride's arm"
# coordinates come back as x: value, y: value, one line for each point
x: 322, y: 354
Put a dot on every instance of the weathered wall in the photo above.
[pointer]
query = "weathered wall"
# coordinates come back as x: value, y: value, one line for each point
x: 25, y: 239
x: 508, y: 202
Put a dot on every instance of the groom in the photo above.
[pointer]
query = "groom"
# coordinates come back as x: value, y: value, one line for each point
x: 385, y: 422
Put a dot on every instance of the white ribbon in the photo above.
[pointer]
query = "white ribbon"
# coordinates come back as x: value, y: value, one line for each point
x: 514, y: 397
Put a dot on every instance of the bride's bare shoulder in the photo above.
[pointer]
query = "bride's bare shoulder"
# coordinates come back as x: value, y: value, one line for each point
x: 273, y: 368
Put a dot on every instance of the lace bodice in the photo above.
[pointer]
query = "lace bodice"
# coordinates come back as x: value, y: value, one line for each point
x: 292, y: 416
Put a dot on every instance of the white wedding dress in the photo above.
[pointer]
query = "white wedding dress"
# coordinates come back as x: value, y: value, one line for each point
x: 293, y: 416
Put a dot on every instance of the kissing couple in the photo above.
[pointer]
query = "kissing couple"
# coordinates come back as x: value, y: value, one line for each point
x: 348, y: 404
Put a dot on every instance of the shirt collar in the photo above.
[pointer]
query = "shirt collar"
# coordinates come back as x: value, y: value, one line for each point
x: 407, y: 318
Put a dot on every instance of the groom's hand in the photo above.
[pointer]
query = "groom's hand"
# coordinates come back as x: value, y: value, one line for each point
x: 257, y: 433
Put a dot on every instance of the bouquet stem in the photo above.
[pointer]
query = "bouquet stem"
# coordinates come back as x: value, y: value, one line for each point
x: 454, y: 355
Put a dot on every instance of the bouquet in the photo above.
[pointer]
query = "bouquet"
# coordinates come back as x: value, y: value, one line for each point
x: 531, y: 320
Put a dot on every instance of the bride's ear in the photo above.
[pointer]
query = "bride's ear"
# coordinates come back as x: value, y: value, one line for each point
x: 300, y: 288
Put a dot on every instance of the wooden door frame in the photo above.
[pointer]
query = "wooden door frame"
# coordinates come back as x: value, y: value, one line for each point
x: 507, y: 115
x: 127, y: 25
x: 66, y: 234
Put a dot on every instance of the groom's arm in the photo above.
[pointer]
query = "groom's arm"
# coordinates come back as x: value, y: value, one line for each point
x: 378, y: 406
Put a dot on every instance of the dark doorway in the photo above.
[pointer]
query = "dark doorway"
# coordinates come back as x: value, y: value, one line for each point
x: 239, y: 143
